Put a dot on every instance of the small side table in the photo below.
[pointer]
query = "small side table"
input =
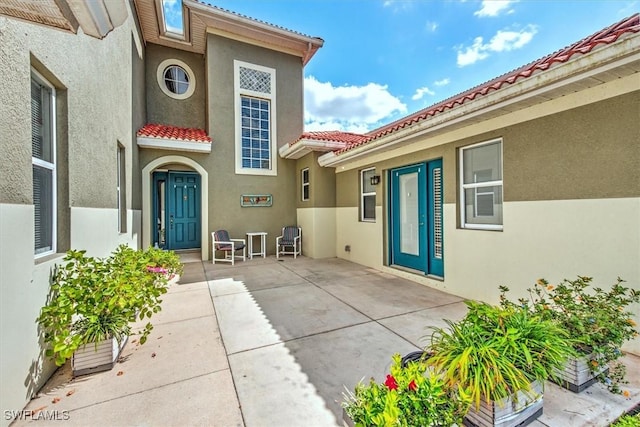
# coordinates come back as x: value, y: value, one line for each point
x: 263, y: 243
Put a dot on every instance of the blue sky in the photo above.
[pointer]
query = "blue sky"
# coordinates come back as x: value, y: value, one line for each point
x: 385, y: 59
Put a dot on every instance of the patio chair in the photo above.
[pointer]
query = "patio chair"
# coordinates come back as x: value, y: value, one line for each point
x: 290, y: 242
x: 222, y: 242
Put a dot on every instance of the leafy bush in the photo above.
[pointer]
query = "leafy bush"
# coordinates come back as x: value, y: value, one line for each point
x: 411, y: 396
x: 595, y: 319
x: 93, y: 299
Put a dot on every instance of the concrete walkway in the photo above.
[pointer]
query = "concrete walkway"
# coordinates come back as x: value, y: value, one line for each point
x: 274, y: 343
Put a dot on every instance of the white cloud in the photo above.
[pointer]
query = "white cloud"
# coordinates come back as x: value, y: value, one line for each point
x: 501, y: 42
x: 431, y: 26
x: 420, y: 92
x: 442, y: 82
x: 510, y: 40
x: 494, y: 7
x: 347, y: 108
x: 472, y: 54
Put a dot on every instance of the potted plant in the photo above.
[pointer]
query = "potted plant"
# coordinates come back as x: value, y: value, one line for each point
x: 597, y: 322
x: 411, y: 395
x: 501, y: 357
x: 93, y: 302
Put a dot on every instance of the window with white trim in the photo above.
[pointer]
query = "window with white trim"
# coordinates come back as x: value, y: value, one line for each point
x: 367, y: 195
x: 481, y: 185
x: 176, y: 79
x: 255, y: 114
x: 43, y: 160
x: 304, y: 178
x: 121, y: 189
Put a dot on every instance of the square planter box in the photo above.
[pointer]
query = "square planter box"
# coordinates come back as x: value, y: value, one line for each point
x: 508, y: 412
x: 98, y: 357
x: 576, y: 375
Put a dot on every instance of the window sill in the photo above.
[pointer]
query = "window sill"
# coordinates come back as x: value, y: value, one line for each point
x: 48, y: 258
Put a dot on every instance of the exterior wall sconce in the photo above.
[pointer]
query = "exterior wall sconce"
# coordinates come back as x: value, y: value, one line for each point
x: 375, y: 180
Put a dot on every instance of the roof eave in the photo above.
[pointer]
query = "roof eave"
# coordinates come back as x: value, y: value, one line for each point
x: 305, y: 146
x: 252, y: 31
x: 174, y: 144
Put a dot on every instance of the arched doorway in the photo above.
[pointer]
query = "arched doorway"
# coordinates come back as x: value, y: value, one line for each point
x: 176, y: 191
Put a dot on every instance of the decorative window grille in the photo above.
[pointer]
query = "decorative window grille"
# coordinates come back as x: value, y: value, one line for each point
x: 255, y: 80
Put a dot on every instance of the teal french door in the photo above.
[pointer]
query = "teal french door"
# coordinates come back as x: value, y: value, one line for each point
x: 415, y: 217
x: 176, y: 214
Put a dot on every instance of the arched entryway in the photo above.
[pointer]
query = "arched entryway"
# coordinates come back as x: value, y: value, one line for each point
x: 195, y: 182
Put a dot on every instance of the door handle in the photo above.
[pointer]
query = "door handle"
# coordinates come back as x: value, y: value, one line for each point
x: 171, y: 221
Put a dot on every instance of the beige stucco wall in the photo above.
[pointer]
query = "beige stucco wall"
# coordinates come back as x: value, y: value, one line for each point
x: 364, y: 238
x: 225, y: 187
x: 322, y: 182
x: 96, y: 91
x: 190, y: 112
x: 318, y: 232
x: 571, y: 191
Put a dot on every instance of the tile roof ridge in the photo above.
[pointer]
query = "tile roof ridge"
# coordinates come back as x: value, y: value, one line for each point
x: 607, y: 35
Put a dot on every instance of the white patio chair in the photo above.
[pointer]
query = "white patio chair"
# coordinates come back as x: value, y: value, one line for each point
x: 222, y: 242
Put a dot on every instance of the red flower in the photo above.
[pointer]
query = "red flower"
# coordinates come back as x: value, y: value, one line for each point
x: 391, y: 383
x: 413, y: 386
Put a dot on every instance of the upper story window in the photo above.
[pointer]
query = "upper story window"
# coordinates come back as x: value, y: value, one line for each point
x: 481, y: 185
x: 367, y: 195
x: 176, y: 79
x: 43, y: 160
x: 255, y: 96
x: 304, y: 179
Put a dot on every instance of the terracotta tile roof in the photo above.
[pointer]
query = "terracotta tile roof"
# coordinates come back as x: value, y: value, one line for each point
x: 334, y: 136
x: 604, y: 37
x: 153, y: 130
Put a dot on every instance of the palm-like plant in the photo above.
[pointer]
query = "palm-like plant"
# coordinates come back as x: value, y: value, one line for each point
x: 493, y: 352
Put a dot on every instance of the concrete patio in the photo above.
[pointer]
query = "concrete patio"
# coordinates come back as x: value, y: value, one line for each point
x: 274, y: 343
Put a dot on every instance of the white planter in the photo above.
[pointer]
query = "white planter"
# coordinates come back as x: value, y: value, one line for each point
x: 576, y: 375
x: 509, y: 412
x: 98, y: 357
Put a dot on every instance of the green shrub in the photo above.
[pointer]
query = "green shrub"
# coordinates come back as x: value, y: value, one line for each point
x: 93, y: 299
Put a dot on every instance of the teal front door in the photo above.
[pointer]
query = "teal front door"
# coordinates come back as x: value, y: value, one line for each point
x: 415, y: 217
x: 177, y: 210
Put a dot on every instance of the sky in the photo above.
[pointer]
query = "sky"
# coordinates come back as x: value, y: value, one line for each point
x: 386, y: 59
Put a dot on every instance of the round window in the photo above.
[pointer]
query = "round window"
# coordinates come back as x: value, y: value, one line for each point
x: 176, y: 79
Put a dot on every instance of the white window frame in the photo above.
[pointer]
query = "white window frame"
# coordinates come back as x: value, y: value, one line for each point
x: 271, y: 98
x: 305, y: 184
x: 39, y: 78
x: 479, y: 185
x: 121, y: 178
x: 367, y: 194
x: 163, y: 86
